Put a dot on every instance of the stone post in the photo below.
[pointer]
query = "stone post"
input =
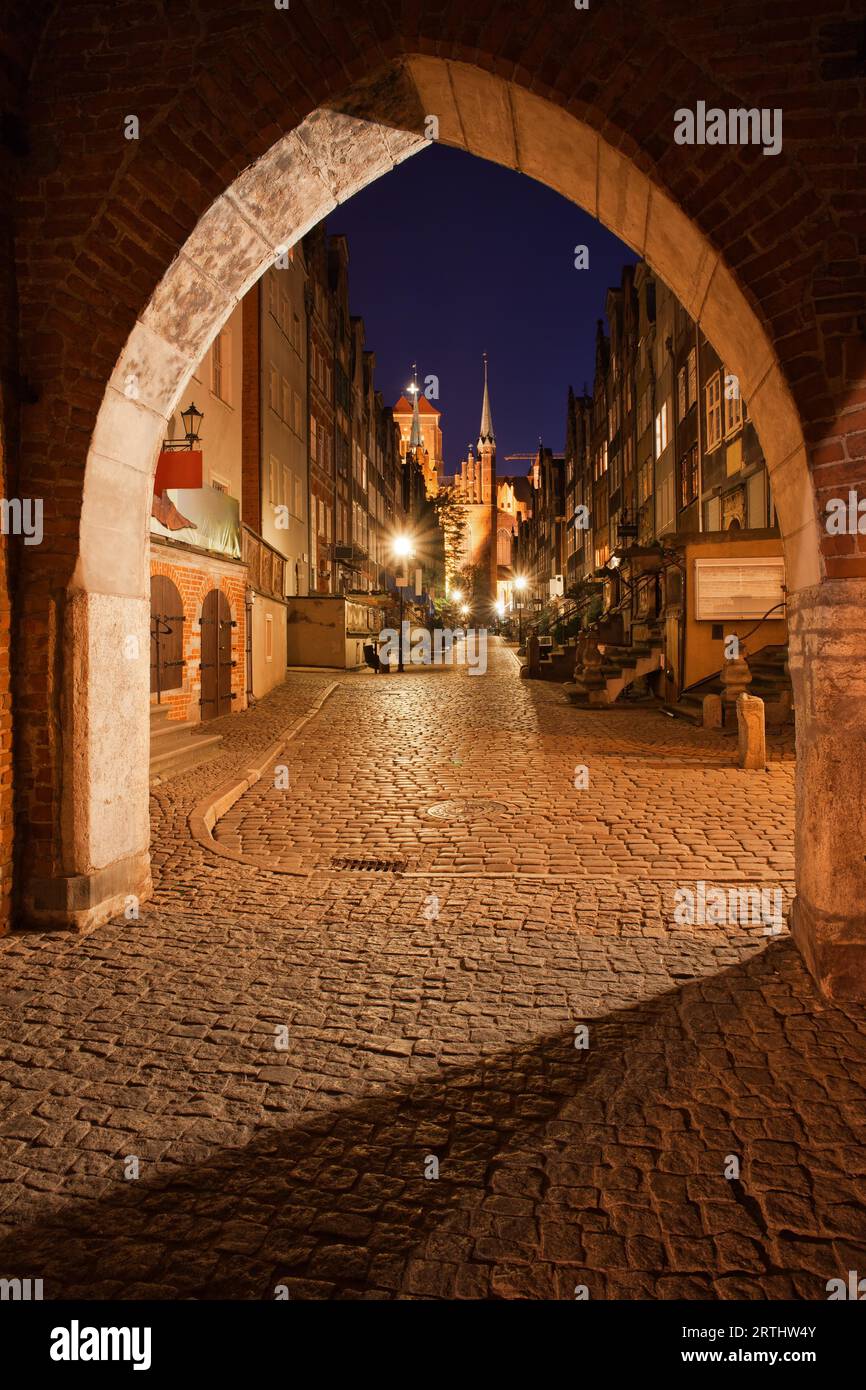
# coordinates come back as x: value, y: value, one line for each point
x: 712, y: 711
x: 533, y: 655
x: 736, y: 678
x: 750, y: 732
x: 591, y: 680
x: 827, y: 659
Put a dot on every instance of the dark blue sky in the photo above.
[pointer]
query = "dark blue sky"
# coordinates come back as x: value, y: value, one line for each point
x: 451, y: 256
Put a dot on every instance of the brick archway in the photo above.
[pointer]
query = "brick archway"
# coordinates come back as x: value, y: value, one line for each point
x: 605, y: 154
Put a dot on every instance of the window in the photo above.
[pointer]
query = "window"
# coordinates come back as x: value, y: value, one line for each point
x: 219, y: 484
x: 274, y: 389
x: 299, y: 499
x: 220, y: 365
x: 296, y: 333
x: 733, y: 405
x: 298, y: 422
x: 616, y: 471
x: 602, y: 555
x: 314, y: 450
x: 665, y: 504
x: 681, y: 393
x: 714, y: 410
x: 287, y: 401
x: 600, y: 461
x: 644, y: 412
x: 689, y: 476
x: 692, y: 382
x: 274, y: 480
x: 662, y: 430
x: 269, y: 637
x: 645, y: 481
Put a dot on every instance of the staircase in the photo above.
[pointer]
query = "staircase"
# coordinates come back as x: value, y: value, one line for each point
x: 770, y: 682
x: 621, y: 665
x: 176, y: 747
x: 557, y: 663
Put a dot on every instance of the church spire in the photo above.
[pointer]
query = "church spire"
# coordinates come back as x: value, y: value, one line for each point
x: 486, y: 435
x: 416, y: 438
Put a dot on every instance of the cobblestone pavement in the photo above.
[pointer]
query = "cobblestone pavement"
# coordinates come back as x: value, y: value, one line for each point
x: 661, y: 798
x: 451, y: 1038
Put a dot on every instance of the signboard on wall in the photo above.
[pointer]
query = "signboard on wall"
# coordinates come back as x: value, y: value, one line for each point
x: 740, y: 589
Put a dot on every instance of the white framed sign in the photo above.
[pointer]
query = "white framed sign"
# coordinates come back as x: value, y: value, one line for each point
x: 739, y: 589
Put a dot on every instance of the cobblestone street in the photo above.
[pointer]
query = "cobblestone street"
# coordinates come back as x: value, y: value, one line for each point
x: 413, y: 1035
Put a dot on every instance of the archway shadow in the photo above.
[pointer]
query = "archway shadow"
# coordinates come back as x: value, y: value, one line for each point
x: 558, y: 1167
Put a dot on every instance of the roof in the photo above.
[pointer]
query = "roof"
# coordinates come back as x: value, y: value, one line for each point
x: 405, y: 407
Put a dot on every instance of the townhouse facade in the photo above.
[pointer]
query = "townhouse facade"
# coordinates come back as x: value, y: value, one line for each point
x: 666, y: 507
x: 281, y: 479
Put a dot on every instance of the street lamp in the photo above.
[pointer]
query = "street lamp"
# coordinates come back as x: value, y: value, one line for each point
x: 402, y: 549
x: 192, y: 419
x: 520, y: 585
x: 457, y: 595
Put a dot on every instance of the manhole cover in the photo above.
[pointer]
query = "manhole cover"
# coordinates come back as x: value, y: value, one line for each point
x: 468, y: 810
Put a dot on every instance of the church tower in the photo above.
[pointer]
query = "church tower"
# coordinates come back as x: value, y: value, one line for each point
x: 476, y: 489
x: 487, y: 447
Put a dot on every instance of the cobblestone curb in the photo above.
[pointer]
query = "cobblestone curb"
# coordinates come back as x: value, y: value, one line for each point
x: 205, y: 815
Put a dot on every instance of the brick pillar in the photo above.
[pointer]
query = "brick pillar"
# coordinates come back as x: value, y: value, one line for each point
x: 827, y: 645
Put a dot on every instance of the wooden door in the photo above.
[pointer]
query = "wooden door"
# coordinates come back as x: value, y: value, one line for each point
x: 166, y: 636
x: 216, y: 656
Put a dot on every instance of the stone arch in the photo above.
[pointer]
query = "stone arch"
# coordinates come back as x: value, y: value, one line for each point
x: 326, y: 158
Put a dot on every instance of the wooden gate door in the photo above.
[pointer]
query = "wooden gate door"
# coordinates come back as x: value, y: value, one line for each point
x: 166, y: 637
x: 216, y: 656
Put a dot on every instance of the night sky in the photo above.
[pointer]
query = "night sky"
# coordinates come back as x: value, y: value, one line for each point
x: 451, y: 256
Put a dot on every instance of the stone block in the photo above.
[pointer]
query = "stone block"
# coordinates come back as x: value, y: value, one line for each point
x: 712, y: 707
x: 750, y: 732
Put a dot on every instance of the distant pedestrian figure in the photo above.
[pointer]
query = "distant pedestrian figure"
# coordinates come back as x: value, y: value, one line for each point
x: 374, y: 661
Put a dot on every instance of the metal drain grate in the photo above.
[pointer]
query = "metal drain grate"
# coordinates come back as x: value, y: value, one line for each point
x: 373, y: 866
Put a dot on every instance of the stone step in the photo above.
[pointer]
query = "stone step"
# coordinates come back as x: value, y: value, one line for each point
x: 168, y: 734
x: 181, y: 757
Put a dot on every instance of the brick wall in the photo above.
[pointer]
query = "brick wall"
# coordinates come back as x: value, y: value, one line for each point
x: 21, y: 26
x: 194, y: 577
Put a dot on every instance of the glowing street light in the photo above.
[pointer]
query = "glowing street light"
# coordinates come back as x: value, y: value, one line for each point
x: 402, y: 547
x: 457, y: 595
